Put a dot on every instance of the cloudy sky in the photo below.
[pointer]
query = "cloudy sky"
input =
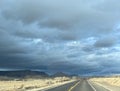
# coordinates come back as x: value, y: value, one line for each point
x: 73, y: 36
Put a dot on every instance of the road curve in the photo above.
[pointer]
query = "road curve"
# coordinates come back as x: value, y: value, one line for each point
x: 82, y: 85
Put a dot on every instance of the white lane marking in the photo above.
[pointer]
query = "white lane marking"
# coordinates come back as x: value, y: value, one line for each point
x: 91, y: 86
x: 74, y: 86
x: 104, y: 87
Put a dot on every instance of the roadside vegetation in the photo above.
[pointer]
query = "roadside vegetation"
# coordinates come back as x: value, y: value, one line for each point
x: 115, y: 81
x: 28, y: 83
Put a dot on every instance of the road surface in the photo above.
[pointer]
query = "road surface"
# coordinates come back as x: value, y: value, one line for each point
x: 82, y: 85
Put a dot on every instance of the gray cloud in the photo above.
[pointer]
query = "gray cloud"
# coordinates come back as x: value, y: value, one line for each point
x: 74, y: 16
x: 75, y: 36
x: 105, y: 42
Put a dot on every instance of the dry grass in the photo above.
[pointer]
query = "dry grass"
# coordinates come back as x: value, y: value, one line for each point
x: 29, y: 84
x: 115, y: 81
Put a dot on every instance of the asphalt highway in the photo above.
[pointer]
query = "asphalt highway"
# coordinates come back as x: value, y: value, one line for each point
x: 81, y: 85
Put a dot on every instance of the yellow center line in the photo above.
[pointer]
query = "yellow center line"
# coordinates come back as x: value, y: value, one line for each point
x: 74, y: 86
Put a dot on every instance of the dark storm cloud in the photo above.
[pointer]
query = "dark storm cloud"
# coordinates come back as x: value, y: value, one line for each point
x: 88, y: 48
x: 105, y: 42
x: 75, y: 36
x: 66, y: 17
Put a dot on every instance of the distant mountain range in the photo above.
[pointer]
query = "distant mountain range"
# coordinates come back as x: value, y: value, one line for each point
x: 29, y: 73
x: 23, y: 73
x: 60, y: 74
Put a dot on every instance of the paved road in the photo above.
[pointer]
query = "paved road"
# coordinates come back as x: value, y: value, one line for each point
x: 82, y: 85
x: 65, y: 87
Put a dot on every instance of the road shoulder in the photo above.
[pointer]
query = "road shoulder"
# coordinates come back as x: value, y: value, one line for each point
x: 107, y: 86
x: 51, y: 86
x: 113, y: 88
